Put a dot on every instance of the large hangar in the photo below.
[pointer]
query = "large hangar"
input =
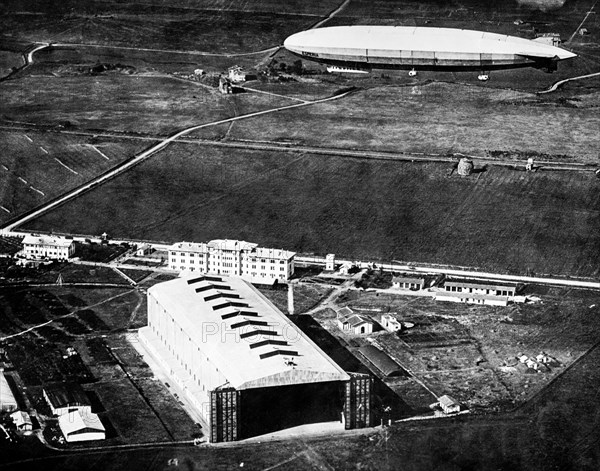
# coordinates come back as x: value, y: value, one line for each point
x: 243, y: 364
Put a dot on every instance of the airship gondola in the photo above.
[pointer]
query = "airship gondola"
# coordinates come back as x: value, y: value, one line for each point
x: 363, y: 48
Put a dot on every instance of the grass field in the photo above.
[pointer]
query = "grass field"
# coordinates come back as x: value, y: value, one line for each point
x: 215, y: 26
x: 501, y: 219
x: 38, y: 166
x: 436, y: 118
x: 139, y: 104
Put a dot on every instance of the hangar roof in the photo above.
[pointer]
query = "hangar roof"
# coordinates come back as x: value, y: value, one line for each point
x: 245, y: 336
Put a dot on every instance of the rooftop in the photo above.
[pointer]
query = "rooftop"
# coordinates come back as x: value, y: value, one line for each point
x: 66, y: 394
x: 80, y: 422
x: 381, y: 360
x: 247, y: 338
x: 226, y: 244
x: 46, y: 240
x: 189, y: 247
x: 473, y: 283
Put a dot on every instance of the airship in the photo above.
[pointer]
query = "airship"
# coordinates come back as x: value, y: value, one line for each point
x: 364, y: 48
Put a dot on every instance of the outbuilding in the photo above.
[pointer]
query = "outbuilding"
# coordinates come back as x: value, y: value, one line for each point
x: 381, y: 361
x: 449, y: 405
x: 22, y: 421
x: 80, y: 425
x: 64, y: 398
x: 408, y: 282
x: 390, y: 323
x: 355, y: 323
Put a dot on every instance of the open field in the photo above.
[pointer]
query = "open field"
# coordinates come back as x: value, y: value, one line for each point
x: 215, y: 26
x: 438, y: 118
x: 544, y: 222
x: 35, y: 167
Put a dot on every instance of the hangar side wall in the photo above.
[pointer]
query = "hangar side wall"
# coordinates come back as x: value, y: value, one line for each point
x: 182, y: 358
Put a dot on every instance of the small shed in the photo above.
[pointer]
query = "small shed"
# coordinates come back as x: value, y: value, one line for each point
x: 79, y: 426
x: 225, y: 86
x: 64, y: 398
x: 330, y: 262
x: 381, y: 361
x: 465, y: 166
x: 354, y: 323
x: 143, y: 249
x: 22, y: 421
x: 449, y: 405
x: 236, y: 74
x: 390, y: 323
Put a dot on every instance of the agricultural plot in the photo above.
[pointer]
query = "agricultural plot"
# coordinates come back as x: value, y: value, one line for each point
x: 36, y: 167
x: 540, y: 222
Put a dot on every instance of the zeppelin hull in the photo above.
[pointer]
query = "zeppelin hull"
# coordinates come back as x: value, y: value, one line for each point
x: 366, y: 60
x: 389, y: 47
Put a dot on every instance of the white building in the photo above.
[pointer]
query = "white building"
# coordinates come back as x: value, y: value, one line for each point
x: 233, y: 258
x: 390, y: 323
x: 242, y: 363
x: 51, y: 247
x: 354, y: 323
x: 8, y: 403
x: 80, y: 425
x: 22, y: 421
x: 407, y: 282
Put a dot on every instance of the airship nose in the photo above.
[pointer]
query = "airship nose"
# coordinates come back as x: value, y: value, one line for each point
x: 292, y: 42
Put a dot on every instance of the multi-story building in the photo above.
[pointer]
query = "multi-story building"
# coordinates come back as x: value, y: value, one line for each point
x: 51, y: 247
x: 233, y: 258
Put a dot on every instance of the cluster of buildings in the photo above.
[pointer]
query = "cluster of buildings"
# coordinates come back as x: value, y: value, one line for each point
x: 76, y: 420
x: 233, y: 258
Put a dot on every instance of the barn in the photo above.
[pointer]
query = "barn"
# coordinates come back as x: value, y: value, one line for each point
x: 246, y: 368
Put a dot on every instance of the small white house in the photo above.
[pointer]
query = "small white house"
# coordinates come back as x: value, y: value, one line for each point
x: 236, y: 74
x: 143, y: 249
x: 449, y: 405
x: 407, y: 282
x: 22, y: 421
x: 79, y: 426
x: 390, y: 323
x: 355, y: 323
